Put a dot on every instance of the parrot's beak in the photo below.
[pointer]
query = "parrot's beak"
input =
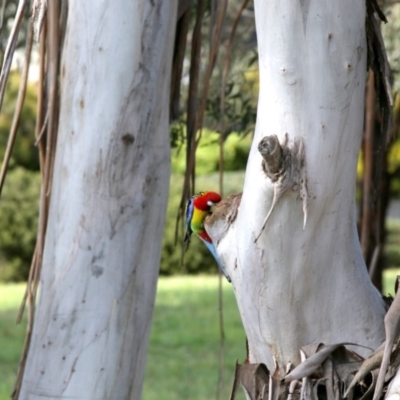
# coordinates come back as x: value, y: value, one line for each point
x: 210, y: 203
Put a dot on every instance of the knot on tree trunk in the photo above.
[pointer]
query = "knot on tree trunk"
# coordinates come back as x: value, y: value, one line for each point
x: 285, y: 166
x: 271, y: 152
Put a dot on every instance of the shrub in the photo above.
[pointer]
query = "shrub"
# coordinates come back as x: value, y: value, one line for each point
x: 236, y: 151
x: 18, y: 223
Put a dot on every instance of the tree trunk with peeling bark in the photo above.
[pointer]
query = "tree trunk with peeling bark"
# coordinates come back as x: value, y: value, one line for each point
x: 108, y: 202
x: 301, y: 279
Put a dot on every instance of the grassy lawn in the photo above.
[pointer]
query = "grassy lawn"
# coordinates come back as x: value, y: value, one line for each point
x: 11, y: 336
x: 184, y: 344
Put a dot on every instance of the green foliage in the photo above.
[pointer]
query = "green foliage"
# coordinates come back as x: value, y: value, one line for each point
x: 391, y: 36
x: 19, y: 200
x: 394, y: 156
x: 25, y: 152
x: 392, y: 248
x: 234, y: 76
x: 197, y: 258
x: 393, y: 159
x: 236, y: 150
x: 18, y: 222
x: 240, y: 102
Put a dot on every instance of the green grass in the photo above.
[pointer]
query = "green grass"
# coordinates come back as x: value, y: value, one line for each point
x: 11, y: 336
x: 184, y: 344
x: 388, y: 281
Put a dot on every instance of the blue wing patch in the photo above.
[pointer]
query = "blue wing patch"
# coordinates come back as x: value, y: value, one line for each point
x: 189, y: 215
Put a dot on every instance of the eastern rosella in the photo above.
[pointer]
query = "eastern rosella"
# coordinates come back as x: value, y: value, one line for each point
x: 198, y: 207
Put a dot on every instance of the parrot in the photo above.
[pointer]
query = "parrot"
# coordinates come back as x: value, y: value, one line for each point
x: 197, y: 209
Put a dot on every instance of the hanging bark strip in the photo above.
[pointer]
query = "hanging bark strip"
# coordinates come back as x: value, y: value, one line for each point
x: 378, y: 61
x: 196, y: 107
x: 375, y: 187
x: 368, y: 165
x: 31, y: 289
x: 49, y: 35
x: 216, y: 28
x: 41, y: 115
x: 194, y: 76
x: 18, y: 106
x: 377, y: 136
x: 182, y: 29
x: 194, y: 73
x: 39, y: 8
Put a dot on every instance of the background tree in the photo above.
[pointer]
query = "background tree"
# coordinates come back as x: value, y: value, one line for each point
x: 105, y: 207
x: 19, y: 203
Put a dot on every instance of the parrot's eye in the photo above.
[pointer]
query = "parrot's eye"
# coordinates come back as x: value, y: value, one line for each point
x: 210, y: 203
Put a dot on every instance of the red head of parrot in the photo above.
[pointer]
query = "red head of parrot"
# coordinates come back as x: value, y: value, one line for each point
x: 205, y: 200
x: 198, y: 207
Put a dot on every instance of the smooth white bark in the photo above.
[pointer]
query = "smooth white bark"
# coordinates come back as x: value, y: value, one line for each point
x: 295, y: 287
x: 108, y: 203
x: 393, y: 391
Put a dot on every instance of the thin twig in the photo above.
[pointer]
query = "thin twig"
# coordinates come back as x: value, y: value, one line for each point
x: 221, y: 358
x: 40, y: 124
x: 43, y: 130
x: 188, y: 180
x: 52, y: 73
x: 374, y: 260
x: 39, y: 9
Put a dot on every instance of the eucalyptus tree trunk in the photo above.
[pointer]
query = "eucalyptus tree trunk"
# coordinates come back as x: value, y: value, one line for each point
x: 108, y: 201
x: 292, y: 250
